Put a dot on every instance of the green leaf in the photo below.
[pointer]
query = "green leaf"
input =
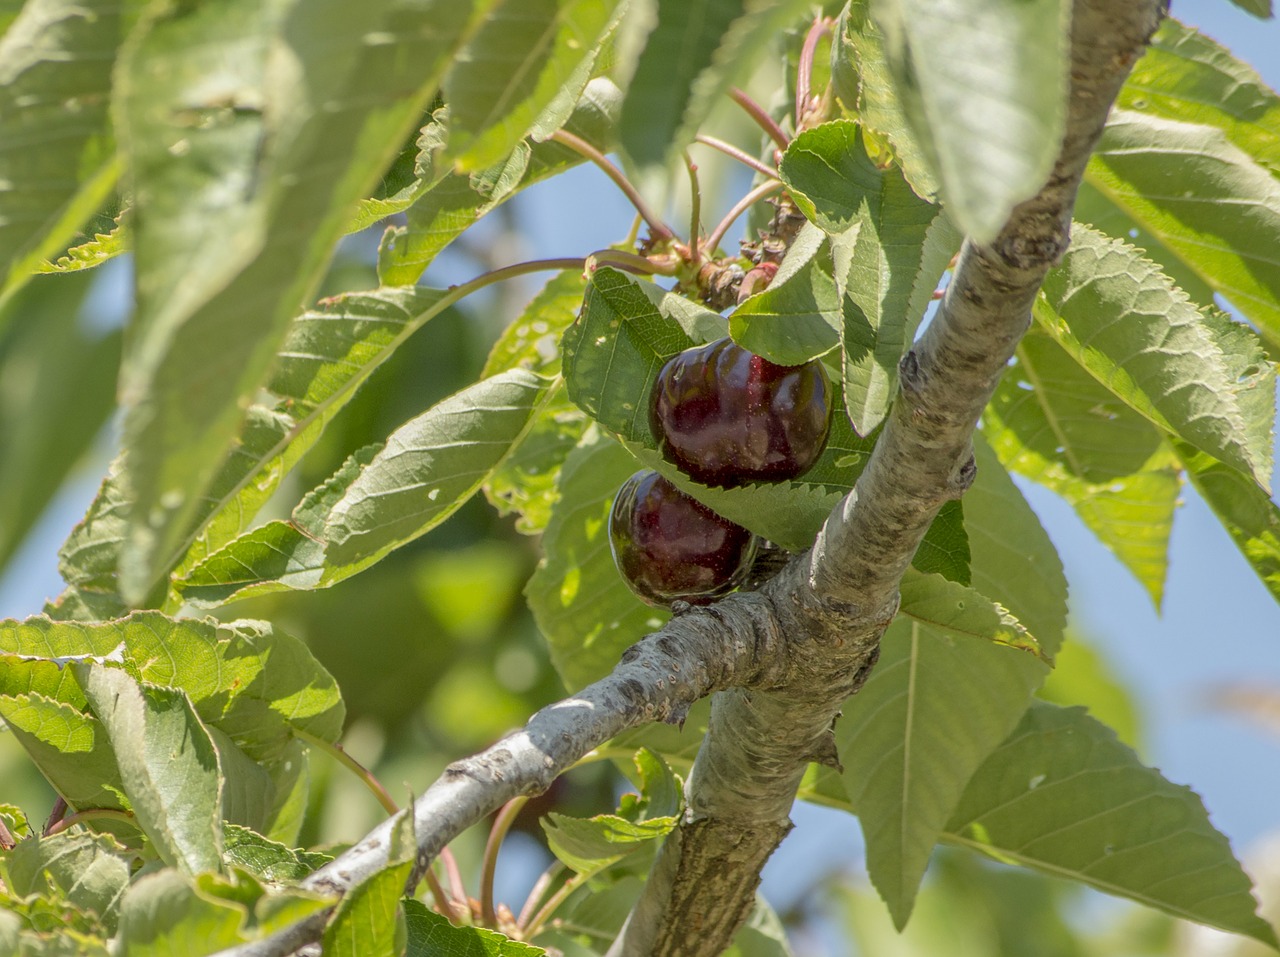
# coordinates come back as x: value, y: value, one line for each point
x: 59, y: 388
x: 266, y: 859
x: 862, y: 79
x: 93, y: 252
x: 590, y: 845
x: 168, y: 764
x: 382, y: 498
x: 1012, y: 559
x: 431, y: 935
x: 367, y: 922
x: 948, y: 606
x: 457, y: 199
x: 328, y: 353
x: 797, y: 317
x: 1135, y: 333
x: 163, y: 915
x: 1245, y: 511
x: 84, y: 870
x: 983, y: 84
x: 581, y: 604
x: 1205, y: 199
x: 937, y: 704
x: 1187, y: 76
x: 945, y: 549
x: 1259, y: 8
x: 890, y: 249
x: 1054, y: 423
x: 264, y: 182
x: 527, y: 55
x: 1061, y: 795
x: 689, y: 54
x: 58, y: 161
x: 525, y: 482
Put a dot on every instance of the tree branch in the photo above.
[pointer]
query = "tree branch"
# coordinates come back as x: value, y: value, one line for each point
x: 786, y: 657
x: 835, y: 603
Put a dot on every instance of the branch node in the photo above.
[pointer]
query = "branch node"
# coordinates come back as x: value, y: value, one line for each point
x: 826, y: 753
x: 909, y: 375
x: 962, y: 479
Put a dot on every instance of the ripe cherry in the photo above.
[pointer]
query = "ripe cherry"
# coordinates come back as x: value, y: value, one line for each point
x: 725, y: 416
x: 669, y: 546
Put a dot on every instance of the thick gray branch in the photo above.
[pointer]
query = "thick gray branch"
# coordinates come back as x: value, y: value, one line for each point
x: 835, y: 603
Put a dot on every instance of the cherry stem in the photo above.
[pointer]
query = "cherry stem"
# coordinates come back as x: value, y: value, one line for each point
x: 762, y: 118
x: 742, y: 205
x: 455, y: 876
x: 804, y: 71
x: 742, y: 156
x: 555, y: 900
x: 545, y: 879
x: 489, y: 863
x: 444, y: 903
x: 89, y: 814
x: 56, y: 814
x: 695, y: 214
x: 355, y: 767
x: 657, y: 227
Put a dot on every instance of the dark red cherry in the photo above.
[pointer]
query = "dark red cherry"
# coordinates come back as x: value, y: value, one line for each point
x: 669, y: 546
x: 725, y: 416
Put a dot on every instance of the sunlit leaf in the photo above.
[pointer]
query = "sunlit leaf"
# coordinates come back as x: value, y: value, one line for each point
x: 1062, y: 795
x: 364, y: 924
x: 163, y: 915
x: 431, y: 935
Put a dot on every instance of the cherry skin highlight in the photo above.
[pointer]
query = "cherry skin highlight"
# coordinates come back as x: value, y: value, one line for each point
x: 669, y: 546
x: 725, y: 416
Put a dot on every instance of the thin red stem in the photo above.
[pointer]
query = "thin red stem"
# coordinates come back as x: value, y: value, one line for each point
x: 89, y: 814
x: 742, y: 156
x: 657, y: 227
x: 804, y: 70
x: 753, y: 197
x: 762, y: 118
x: 545, y: 880
x: 489, y: 863
x: 695, y: 214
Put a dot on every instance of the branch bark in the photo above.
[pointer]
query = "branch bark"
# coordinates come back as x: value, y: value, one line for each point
x: 785, y: 658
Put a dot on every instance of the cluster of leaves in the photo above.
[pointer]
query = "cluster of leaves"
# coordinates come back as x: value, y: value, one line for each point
x: 244, y: 139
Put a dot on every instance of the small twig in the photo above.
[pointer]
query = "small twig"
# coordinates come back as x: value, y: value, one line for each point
x: 695, y: 214
x: 740, y: 207
x: 742, y: 156
x: 489, y: 863
x: 804, y: 70
x: 89, y: 814
x: 761, y: 116
x: 544, y: 881
x: 58, y: 812
x: 657, y: 227
x: 631, y: 262
x: 355, y: 767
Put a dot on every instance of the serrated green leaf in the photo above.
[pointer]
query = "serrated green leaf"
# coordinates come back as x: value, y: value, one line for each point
x: 58, y: 161
x: 266, y: 859
x: 581, y: 604
x: 71, y: 750
x: 168, y: 764
x: 590, y: 845
x: 85, y: 870
x: 861, y: 77
x: 354, y: 80
x: 957, y: 610
x: 1245, y: 511
x: 1204, y: 198
x: 1187, y: 76
x: 456, y: 201
x: 162, y: 915
x: 59, y: 389
x: 984, y: 88
x: 1012, y: 559
x: 431, y: 935
x: 797, y: 317
x: 1134, y: 332
x: 945, y: 548
x: 367, y: 921
x: 890, y: 249
x: 94, y: 252
x: 522, y: 59
x: 937, y: 704
x: 691, y: 52
x: 1054, y: 423
x: 253, y: 683
x: 381, y: 498
x: 1061, y: 795
x: 1259, y: 8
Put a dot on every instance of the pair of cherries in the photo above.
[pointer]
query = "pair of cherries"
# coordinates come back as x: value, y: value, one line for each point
x: 725, y: 417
